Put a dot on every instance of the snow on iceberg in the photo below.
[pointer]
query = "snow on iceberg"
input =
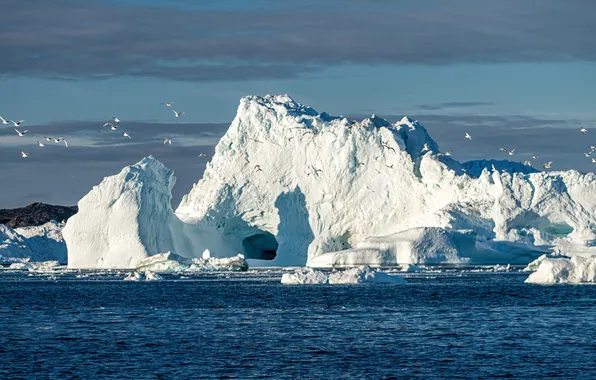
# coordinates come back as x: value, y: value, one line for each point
x: 563, y: 270
x: 287, y: 185
x: 171, y: 262
x: 359, y: 275
x: 143, y: 276
x: 32, y: 244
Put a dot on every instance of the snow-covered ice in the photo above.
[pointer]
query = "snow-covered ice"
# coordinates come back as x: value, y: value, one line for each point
x: 563, y: 270
x: 359, y: 275
x: 32, y: 244
x: 290, y: 186
x: 171, y: 262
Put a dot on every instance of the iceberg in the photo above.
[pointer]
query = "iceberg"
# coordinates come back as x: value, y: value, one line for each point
x: 171, y: 262
x: 143, y: 276
x: 360, y: 275
x: 563, y: 270
x: 32, y: 244
x: 289, y: 186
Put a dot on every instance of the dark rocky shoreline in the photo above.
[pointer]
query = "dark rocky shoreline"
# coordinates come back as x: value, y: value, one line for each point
x: 35, y: 214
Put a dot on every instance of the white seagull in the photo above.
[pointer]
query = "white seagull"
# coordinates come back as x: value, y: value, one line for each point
x: 3, y: 121
x: 588, y: 154
x: 468, y: 136
x: 168, y: 104
x: 24, y: 155
x: 202, y: 155
x: 16, y: 123
x: 116, y: 120
x: 535, y: 157
x: 448, y: 153
x: 21, y: 133
x: 167, y: 141
x: 178, y: 114
x: 425, y: 148
x: 527, y: 163
x: 40, y: 144
x: 547, y: 165
x: 48, y: 138
x: 58, y: 139
x: 593, y: 159
x: 511, y: 152
x: 113, y: 127
x: 583, y: 130
x: 502, y: 149
x: 592, y: 147
x: 108, y: 124
x: 126, y: 135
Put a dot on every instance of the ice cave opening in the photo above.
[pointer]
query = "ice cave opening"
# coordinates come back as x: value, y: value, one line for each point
x: 261, y: 246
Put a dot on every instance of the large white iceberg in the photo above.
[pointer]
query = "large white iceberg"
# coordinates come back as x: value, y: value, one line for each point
x: 32, y: 244
x: 563, y: 270
x: 290, y: 186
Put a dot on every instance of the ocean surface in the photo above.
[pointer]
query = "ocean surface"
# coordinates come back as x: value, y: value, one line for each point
x: 451, y: 324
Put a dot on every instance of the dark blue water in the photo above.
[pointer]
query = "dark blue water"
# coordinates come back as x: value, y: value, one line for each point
x: 251, y: 326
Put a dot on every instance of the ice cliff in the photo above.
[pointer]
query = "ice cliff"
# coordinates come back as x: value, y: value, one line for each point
x: 291, y: 186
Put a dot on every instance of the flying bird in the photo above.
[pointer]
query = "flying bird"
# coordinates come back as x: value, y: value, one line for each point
x: 3, y: 121
x: 116, y: 120
x: 108, y: 124
x: 24, y: 155
x: 167, y: 141
x: 113, y: 127
x: 126, y: 135
x: 583, y: 130
x: 502, y: 149
x: 168, y: 104
x: 448, y: 153
x: 535, y: 157
x: 592, y: 147
x: 468, y: 136
x: 527, y: 163
x: 588, y: 154
x: 40, y: 144
x: 178, y: 114
x: 511, y: 152
x: 593, y: 159
x: 425, y: 147
x: 58, y: 139
x: 16, y: 123
x: 21, y: 133
x: 48, y: 138
x: 202, y: 155
x: 547, y: 165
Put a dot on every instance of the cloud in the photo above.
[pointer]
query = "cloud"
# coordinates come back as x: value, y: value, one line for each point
x: 447, y: 105
x: 70, y: 39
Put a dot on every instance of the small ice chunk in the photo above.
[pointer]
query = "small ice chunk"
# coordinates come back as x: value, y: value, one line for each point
x: 150, y: 276
x: 562, y: 270
x: 134, y: 276
x: 359, y: 275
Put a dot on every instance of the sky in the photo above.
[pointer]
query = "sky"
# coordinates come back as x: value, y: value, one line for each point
x: 514, y: 73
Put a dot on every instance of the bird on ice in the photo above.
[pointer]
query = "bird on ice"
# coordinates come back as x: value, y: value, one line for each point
x: 40, y: 144
x: 116, y: 120
x: 511, y: 152
x: 167, y: 104
x: 21, y: 133
x: 468, y: 136
x: 24, y: 155
x: 126, y: 135
x: 167, y: 141
x: 16, y: 123
x: 547, y: 165
x: 178, y: 114
x: 3, y: 121
x: 583, y: 130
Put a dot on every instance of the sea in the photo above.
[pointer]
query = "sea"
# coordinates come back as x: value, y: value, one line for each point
x: 444, y: 323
